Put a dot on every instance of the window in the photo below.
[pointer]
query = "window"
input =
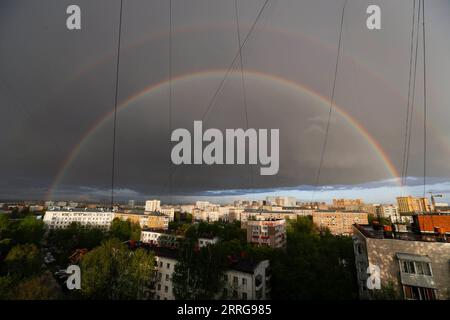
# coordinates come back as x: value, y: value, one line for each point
x: 419, y: 293
x: 423, y: 268
x: 225, y: 277
x: 167, y: 277
x: 235, y: 280
x: 160, y: 264
x: 159, y: 288
x: 244, y: 281
x: 166, y: 289
x: 244, y: 295
x: 416, y: 267
x: 408, y: 267
x: 168, y: 266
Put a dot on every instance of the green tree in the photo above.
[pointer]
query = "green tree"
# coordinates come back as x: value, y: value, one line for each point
x: 112, y: 271
x: 23, y: 260
x: 5, y: 231
x: 125, y: 230
x: 29, y: 230
x: 314, y: 265
x: 6, y: 285
x: 39, y: 287
x: 64, y: 242
x: 199, y: 273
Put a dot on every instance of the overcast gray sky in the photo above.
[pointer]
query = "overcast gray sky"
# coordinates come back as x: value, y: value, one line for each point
x: 57, y: 95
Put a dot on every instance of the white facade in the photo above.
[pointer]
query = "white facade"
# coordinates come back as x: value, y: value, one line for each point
x: 203, y: 242
x: 209, y: 216
x: 242, y: 282
x: 163, y: 289
x: 202, y: 204
x: 248, y: 284
x: 170, y: 212
x: 390, y: 212
x: 159, y: 238
x: 282, y: 201
x: 186, y: 208
x: 62, y: 219
x: 152, y: 205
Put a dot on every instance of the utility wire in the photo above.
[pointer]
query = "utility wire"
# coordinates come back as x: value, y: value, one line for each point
x: 244, y: 92
x: 424, y: 103
x: 403, y: 182
x: 327, y: 128
x: 115, y: 107
x: 236, y: 56
x: 413, y: 95
x: 170, y: 96
x: 230, y: 67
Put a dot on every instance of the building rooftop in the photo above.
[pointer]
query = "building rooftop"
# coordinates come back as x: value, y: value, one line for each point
x: 104, y: 210
x: 159, y: 231
x: 165, y: 252
x: 246, y: 265
x: 369, y: 231
x: 339, y: 211
x: 262, y: 211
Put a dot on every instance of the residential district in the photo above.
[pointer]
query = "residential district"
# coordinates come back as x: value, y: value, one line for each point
x: 277, y: 248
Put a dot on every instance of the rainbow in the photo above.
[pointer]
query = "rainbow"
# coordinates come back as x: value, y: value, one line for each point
x: 157, y: 87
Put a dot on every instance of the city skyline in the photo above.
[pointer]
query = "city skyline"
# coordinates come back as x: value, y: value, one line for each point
x: 288, y: 62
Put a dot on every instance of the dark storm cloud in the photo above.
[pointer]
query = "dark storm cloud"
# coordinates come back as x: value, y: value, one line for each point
x: 57, y: 85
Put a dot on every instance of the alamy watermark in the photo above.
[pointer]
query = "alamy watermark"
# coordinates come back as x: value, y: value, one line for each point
x: 231, y: 151
x: 74, y: 277
x: 374, y: 278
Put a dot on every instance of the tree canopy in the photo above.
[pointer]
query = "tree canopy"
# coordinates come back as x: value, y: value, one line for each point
x: 112, y: 271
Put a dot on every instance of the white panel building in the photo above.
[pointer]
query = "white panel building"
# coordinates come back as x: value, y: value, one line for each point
x: 57, y: 219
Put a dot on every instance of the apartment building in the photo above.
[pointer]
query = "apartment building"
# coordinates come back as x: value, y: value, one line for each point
x: 133, y: 217
x: 210, y: 215
x: 282, y: 201
x: 58, y: 219
x: 244, y: 279
x: 168, y: 211
x: 247, y: 280
x: 152, y: 205
x: 268, y: 232
x: 348, y: 204
x: 411, y: 204
x: 159, y: 237
x: 158, y: 221
x: 416, y: 265
x: 339, y: 222
x: 161, y: 287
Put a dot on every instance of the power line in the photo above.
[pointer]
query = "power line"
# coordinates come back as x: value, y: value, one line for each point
x: 413, y: 95
x: 236, y: 56
x: 409, y: 95
x: 115, y: 107
x: 244, y: 93
x: 327, y: 128
x: 170, y: 94
x: 424, y: 102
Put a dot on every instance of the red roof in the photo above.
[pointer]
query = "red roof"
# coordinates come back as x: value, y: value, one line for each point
x: 427, y: 223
